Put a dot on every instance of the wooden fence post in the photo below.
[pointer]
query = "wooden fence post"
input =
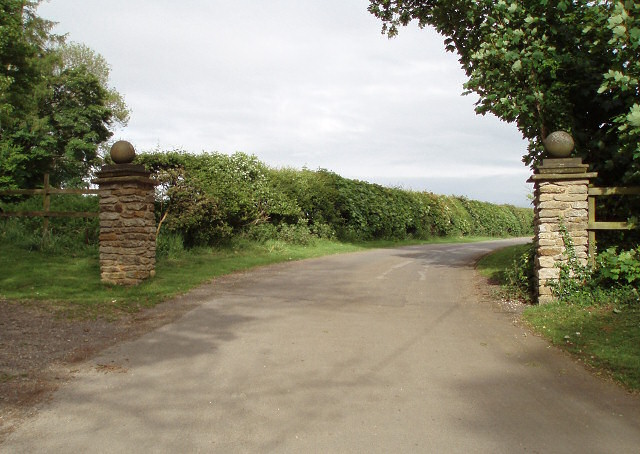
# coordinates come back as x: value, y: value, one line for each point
x: 592, y: 233
x: 46, y: 206
x: 595, y: 225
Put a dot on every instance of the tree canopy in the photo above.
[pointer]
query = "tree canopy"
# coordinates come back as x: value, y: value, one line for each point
x: 55, y: 103
x: 546, y: 65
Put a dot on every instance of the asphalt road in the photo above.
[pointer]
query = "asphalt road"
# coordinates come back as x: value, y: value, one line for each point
x: 385, y: 351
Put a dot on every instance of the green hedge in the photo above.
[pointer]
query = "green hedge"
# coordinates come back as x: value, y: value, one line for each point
x: 211, y: 198
x: 208, y: 198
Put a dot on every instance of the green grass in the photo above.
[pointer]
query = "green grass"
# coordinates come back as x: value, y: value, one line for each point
x: 604, y: 336
x: 70, y: 283
x: 494, y: 266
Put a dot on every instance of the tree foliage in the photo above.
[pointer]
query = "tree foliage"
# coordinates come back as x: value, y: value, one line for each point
x: 76, y: 55
x: 55, y: 104
x: 546, y: 65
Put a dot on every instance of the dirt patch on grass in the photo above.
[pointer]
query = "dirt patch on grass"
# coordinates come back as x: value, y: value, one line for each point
x: 40, y: 349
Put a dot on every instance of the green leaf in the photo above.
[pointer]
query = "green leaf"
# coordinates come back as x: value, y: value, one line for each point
x: 634, y: 116
x: 620, y: 30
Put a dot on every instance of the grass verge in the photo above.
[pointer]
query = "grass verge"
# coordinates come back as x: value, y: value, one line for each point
x: 495, y: 266
x: 70, y: 283
x: 604, y: 336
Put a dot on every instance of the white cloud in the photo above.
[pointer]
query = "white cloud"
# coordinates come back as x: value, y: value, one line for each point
x: 296, y: 82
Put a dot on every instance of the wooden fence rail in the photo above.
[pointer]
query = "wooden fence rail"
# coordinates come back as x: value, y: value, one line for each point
x: 606, y: 225
x: 46, y: 213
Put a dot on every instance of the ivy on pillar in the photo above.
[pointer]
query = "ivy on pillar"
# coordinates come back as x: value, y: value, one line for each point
x: 127, y: 219
x: 561, y: 187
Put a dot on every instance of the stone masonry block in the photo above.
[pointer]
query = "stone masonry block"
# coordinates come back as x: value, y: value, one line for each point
x: 582, y: 188
x: 546, y: 262
x: 542, y: 242
x: 554, y: 205
x: 121, y: 192
x: 546, y: 188
x: 577, y: 227
x: 549, y: 226
x: 575, y: 214
x: 570, y: 198
x: 107, y: 216
x: 545, y: 274
x: 544, y: 290
x: 546, y: 197
x: 549, y: 236
x: 134, y: 222
x: 550, y: 251
x: 551, y: 213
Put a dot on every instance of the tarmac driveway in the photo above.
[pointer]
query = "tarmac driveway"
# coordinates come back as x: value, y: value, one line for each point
x: 383, y: 351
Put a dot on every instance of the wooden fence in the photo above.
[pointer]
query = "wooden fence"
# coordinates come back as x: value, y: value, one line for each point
x: 46, y: 213
x: 606, y: 225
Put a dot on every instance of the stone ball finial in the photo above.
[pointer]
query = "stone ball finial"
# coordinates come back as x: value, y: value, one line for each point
x: 122, y: 152
x: 559, y: 144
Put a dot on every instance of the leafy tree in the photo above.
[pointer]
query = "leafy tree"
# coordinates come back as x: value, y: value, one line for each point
x: 22, y: 56
x: 22, y: 53
x: 75, y: 55
x: 55, y: 104
x: 546, y: 65
x: 622, y: 80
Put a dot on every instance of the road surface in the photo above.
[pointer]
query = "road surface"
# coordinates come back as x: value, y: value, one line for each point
x: 385, y: 351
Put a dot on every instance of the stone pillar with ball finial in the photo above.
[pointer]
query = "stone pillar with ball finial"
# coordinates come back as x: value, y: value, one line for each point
x: 127, y: 220
x: 561, y: 187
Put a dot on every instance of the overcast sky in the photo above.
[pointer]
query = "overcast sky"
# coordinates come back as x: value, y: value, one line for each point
x: 299, y: 83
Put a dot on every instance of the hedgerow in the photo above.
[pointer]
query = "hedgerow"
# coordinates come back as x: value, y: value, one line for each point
x: 211, y: 197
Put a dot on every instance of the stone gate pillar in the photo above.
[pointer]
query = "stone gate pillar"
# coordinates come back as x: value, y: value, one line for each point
x: 561, y: 187
x: 127, y: 220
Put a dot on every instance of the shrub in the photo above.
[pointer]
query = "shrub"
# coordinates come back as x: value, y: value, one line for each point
x: 65, y: 233
x: 520, y: 276
x: 169, y: 244
x: 211, y: 197
x: 618, y: 268
x: 295, y: 234
x: 324, y: 231
x: 261, y: 232
x: 613, y: 279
